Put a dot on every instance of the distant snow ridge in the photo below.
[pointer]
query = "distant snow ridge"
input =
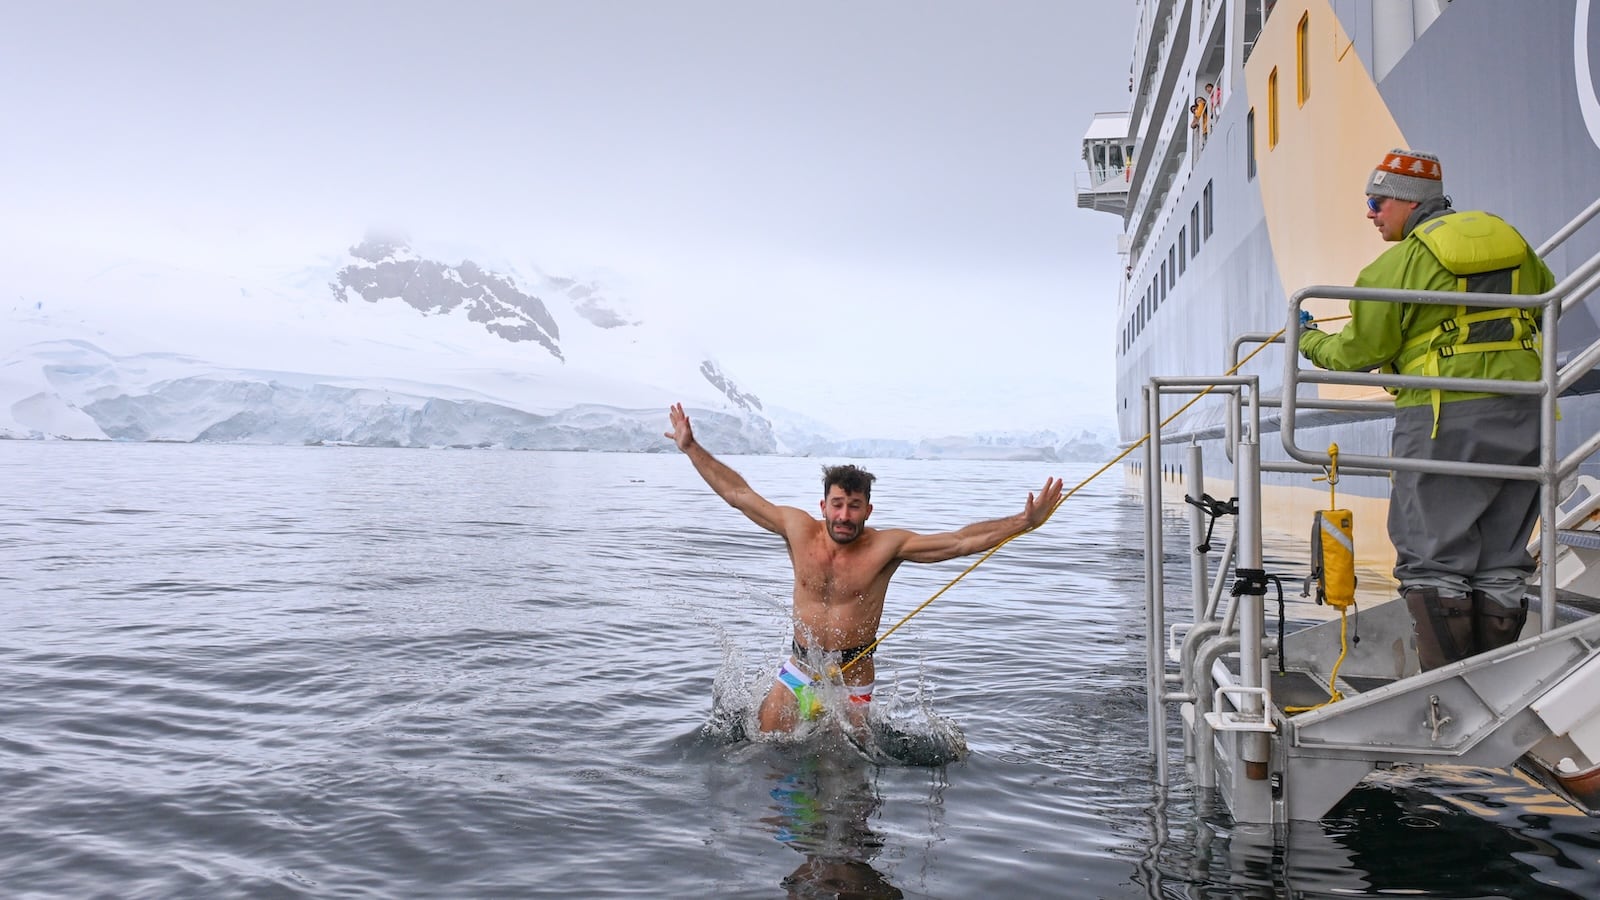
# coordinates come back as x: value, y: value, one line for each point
x: 388, y: 270
x: 588, y: 303
x: 274, y: 412
x: 1039, y: 446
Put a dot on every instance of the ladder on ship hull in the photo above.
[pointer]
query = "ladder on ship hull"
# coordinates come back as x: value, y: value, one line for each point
x: 1538, y: 698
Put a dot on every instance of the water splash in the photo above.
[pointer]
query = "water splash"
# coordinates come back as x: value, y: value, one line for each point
x: 901, y: 728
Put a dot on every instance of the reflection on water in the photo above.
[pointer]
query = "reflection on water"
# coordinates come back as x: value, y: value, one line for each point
x: 823, y: 800
x: 822, y: 778
x: 1408, y: 832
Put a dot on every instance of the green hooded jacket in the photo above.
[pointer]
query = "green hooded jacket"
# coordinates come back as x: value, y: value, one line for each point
x: 1378, y: 333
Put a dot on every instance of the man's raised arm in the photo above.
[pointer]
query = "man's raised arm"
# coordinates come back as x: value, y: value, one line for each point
x: 980, y: 536
x: 728, y: 484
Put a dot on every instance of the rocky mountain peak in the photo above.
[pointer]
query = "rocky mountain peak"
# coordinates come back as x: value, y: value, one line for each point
x: 713, y: 374
x: 386, y: 269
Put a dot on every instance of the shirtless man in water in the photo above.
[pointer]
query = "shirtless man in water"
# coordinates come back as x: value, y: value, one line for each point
x: 842, y: 570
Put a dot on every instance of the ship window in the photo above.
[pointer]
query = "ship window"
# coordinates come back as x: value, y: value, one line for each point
x: 1194, y: 230
x: 1183, y: 255
x: 1302, y: 60
x: 1250, y: 145
x: 1162, y: 294
x: 1116, y: 156
x: 1205, y: 201
x: 1172, y: 266
x: 1272, y: 109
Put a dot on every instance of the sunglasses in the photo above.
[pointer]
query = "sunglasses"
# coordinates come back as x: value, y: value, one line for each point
x: 1376, y: 203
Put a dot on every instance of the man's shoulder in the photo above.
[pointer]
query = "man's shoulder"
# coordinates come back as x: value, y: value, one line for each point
x: 1392, y: 264
x: 887, y: 540
x: 887, y: 535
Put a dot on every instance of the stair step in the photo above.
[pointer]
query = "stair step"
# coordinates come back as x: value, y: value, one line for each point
x: 1294, y: 689
x: 1583, y: 540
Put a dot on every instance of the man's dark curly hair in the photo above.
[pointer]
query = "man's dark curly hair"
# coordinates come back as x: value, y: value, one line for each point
x: 851, y: 478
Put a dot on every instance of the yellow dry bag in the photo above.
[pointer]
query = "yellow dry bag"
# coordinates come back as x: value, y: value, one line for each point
x: 1333, y: 557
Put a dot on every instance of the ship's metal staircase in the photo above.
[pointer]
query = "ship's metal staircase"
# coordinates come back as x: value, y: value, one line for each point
x: 1257, y: 719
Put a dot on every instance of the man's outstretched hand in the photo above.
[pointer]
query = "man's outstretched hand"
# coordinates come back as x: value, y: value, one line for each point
x: 1049, y: 498
x: 682, y: 433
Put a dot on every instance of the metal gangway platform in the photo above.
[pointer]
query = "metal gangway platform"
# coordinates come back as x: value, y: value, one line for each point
x: 1256, y: 716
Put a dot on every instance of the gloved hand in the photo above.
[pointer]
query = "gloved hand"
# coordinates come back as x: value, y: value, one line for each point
x: 1307, y: 320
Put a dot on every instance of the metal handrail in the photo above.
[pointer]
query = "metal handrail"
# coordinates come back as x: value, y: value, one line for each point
x: 1569, y: 229
x: 1248, y: 549
x: 1550, y: 469
x: 1572, y: 288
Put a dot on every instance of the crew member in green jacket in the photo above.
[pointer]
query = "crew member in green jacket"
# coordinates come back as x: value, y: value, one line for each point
x: 1460, y: 542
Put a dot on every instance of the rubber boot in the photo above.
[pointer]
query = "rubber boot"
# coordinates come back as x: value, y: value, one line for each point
x: 1444, y: 626
x: 1494, y: 625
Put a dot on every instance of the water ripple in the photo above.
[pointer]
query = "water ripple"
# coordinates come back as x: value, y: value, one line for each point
x: 259, y: 671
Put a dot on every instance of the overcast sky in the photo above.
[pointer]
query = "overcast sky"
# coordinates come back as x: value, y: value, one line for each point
x: 865, y: 209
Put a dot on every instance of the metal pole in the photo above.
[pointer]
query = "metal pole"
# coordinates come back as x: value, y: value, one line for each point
x: 1155, y: 664
x: 1569, y: 229
x: 1198, y: 559
x: 1549, y: 470
x: 1252, y: 612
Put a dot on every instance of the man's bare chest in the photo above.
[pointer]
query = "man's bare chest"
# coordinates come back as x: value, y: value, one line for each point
x: 838, y: 577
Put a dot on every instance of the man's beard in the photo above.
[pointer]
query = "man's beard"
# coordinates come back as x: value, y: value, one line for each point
x: 855, y: 532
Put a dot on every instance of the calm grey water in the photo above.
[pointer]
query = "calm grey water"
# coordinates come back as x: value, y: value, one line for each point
x: 334, y: 672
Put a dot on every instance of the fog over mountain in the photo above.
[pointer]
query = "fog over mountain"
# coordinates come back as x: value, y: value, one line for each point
x: 384, y: 346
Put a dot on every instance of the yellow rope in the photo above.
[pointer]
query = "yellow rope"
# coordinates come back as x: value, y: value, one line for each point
x: 1098, y: 472
x: 1334, y: 696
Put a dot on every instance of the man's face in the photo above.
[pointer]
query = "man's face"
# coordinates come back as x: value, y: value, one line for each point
x: 1389, y: 215
x: 845, y: 515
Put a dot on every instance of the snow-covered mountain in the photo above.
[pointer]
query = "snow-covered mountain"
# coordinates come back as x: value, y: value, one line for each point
x: 384, y: 346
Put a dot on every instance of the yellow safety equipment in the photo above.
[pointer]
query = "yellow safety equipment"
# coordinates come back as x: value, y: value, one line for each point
x: 1485, y: 255
x: 1333, y: 562
x: 1335, y: 556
